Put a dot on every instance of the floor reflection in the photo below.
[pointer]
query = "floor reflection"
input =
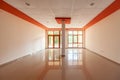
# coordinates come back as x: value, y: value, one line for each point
x: 74, y: 57
x: 78, y: 64
x: 100, y: 68
x: 64, y: 68
x: 52, y: 70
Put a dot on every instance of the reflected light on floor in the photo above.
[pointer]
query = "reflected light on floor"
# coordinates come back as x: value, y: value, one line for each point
x: 78, y: 64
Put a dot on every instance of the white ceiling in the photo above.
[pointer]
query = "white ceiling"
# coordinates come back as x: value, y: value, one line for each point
x: 45, y: 11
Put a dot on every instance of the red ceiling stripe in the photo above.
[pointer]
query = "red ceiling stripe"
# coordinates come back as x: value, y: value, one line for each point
x: 109, y: 10
x: 14, y: 11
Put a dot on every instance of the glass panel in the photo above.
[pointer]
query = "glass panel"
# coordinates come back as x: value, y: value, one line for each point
x: 50, y: 32
x: 70, y: 39
x: 50, y: 39
x: 79, y: 32
x: 75, y: 39
x: 75, y: 32
x: 56, y: 41
x: 80, y: 39
x: 69, y: 32
x: 56, y: 32
x: 69, y: 45
x: 60, y: 32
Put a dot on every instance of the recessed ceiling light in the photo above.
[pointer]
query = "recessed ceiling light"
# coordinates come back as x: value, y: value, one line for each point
x: 28, y: 4
x: 92, y: 4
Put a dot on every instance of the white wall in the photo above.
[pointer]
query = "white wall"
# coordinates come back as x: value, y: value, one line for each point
x: 104, y: 37
x: 18, y: 37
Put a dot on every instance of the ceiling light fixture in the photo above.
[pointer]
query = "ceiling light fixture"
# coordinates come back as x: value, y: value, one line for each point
x: 92, y: 4
x: 27, y: 4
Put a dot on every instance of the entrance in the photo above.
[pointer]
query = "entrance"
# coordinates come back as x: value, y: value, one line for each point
x: 53, y: 41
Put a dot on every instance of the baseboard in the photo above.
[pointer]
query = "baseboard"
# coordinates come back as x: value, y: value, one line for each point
x: 9, y: 62
x: 103, y: 57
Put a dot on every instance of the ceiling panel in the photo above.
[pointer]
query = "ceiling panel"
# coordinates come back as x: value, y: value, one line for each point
x: 45, y: 11
x: 62, y: 12
x: 61, y: 4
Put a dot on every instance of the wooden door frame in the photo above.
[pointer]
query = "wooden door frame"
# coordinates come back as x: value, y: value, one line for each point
x: 53, y: 41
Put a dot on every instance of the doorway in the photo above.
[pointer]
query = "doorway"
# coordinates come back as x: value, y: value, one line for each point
x: 53, y: 41
x: 75, y: 39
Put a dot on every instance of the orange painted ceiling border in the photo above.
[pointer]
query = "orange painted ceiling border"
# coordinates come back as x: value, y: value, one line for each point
x: 5, y: 6
x: 109, y: 10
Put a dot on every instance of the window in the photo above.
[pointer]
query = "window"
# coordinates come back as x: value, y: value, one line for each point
x: 50, y: 32
x: 53, y: 39
x: 74, y: 38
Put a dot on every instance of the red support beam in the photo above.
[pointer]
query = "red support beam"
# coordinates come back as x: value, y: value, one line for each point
x: 59, y: 20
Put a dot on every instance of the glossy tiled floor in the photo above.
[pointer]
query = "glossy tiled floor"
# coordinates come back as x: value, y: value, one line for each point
x: 78, y: 64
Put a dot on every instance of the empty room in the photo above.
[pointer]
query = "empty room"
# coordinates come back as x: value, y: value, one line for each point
x: 59, y: 39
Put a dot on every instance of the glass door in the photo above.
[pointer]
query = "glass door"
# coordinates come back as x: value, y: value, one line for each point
x: 54, y: 41
x: 75, y: 39
x: 50, y: 41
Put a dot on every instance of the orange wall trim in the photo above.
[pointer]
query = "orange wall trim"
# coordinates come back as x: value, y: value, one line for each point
x: 14, y: 11
x: 109, y: 10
